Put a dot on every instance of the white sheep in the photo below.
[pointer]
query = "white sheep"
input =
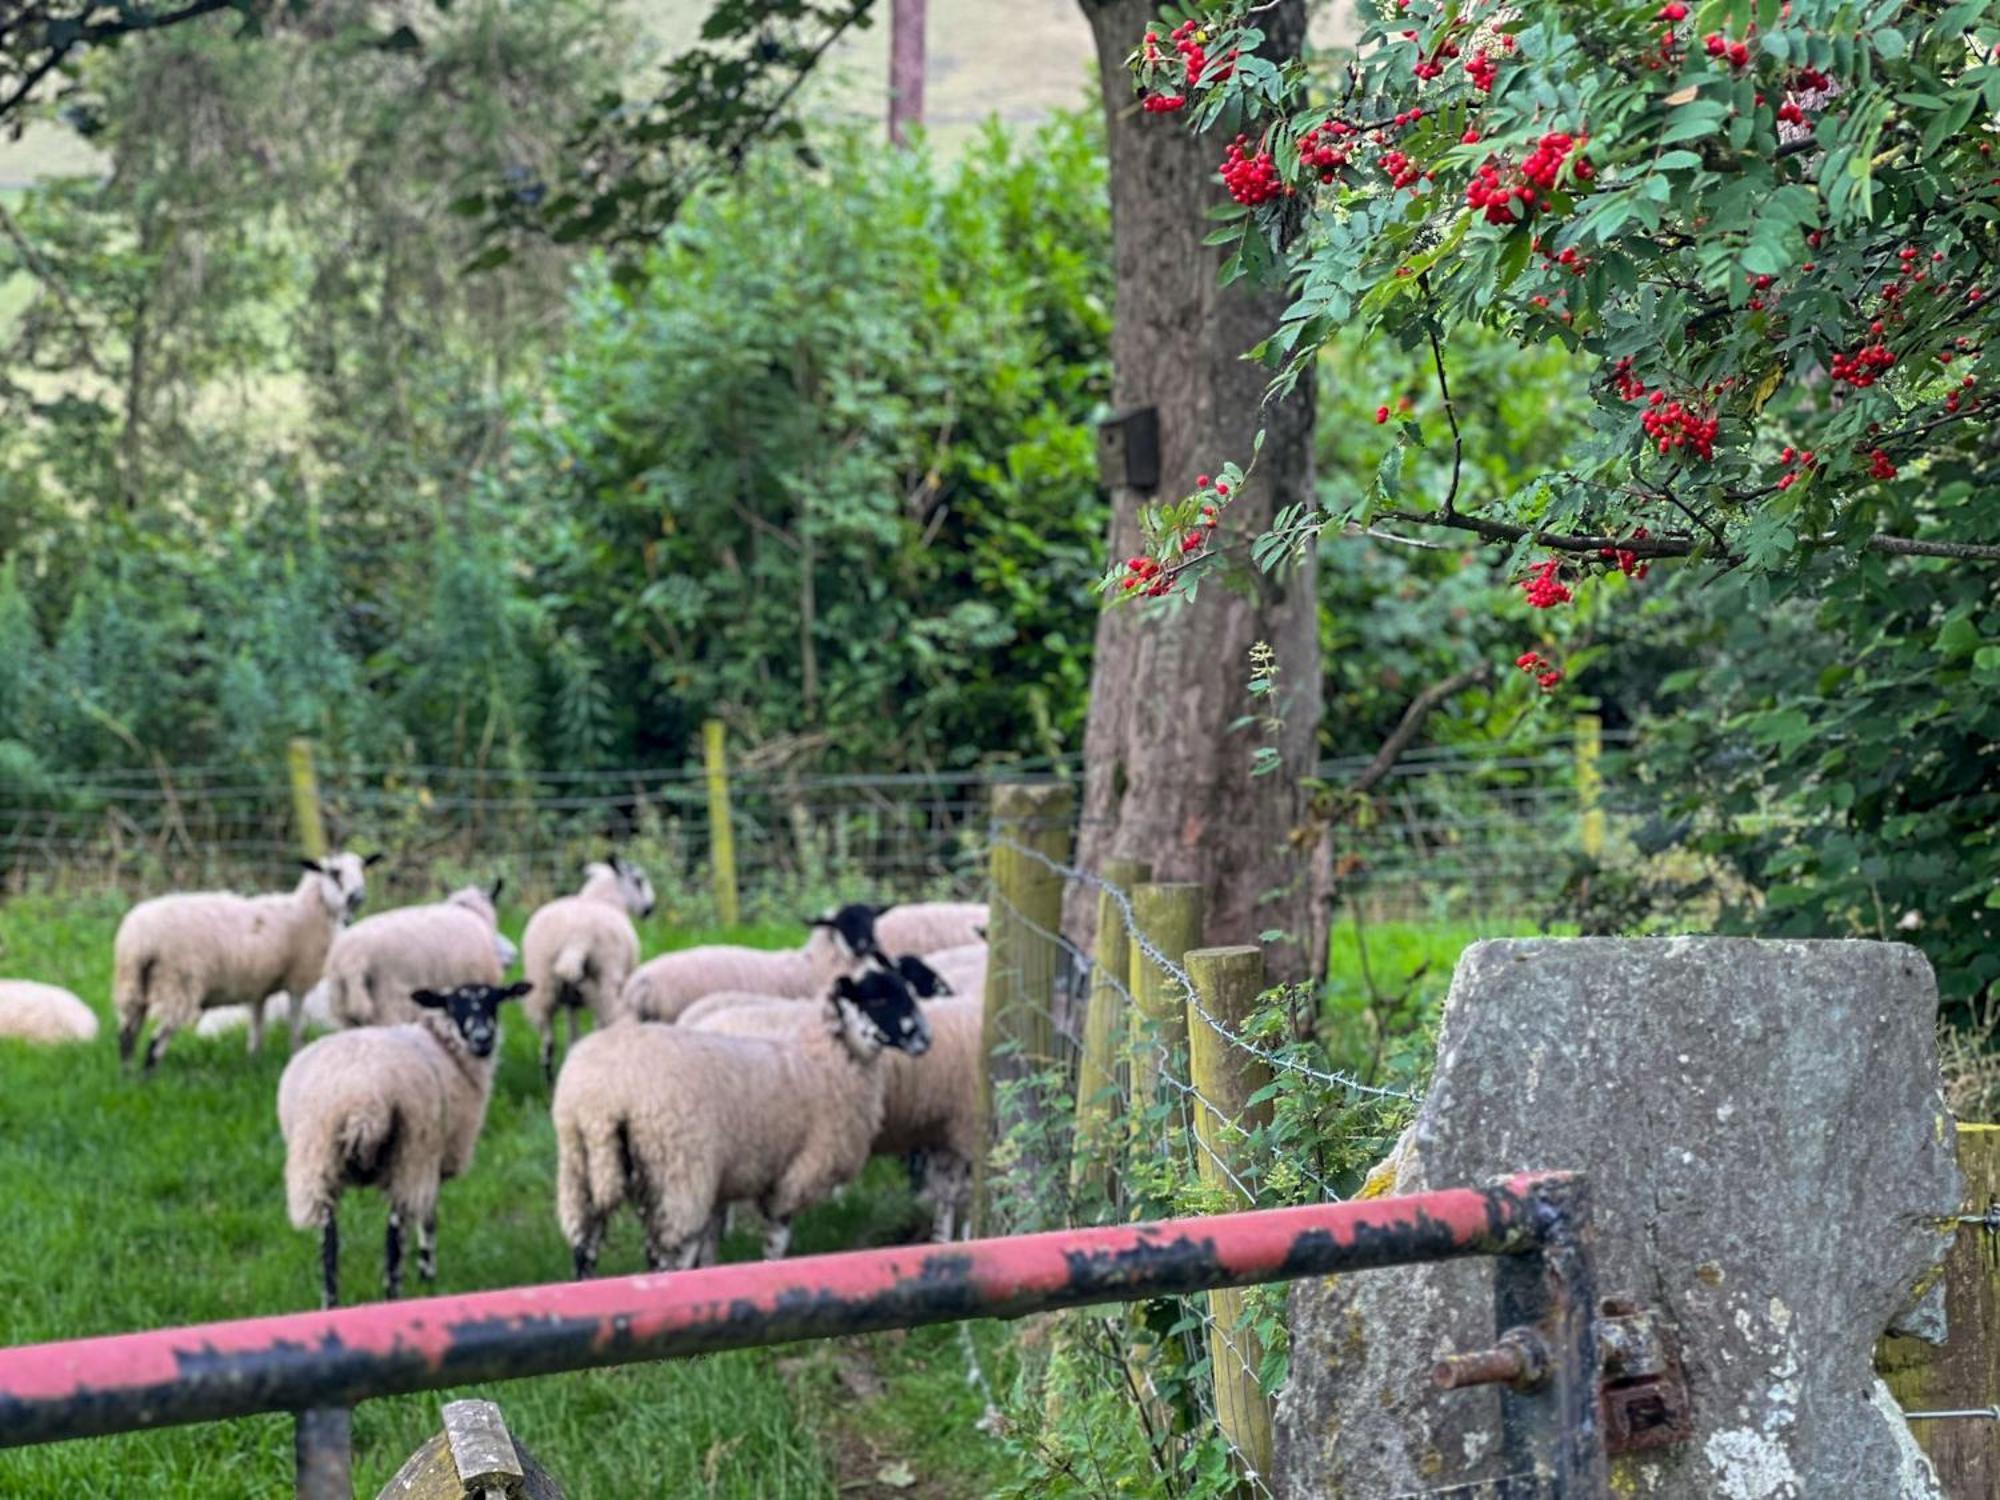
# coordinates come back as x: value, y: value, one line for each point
x: 662, y: 988
x: 930, y: 1101
x: 314, y: 1016
x: 176, y: 956
x: 578, y: 950
x: 929, y: 926
x: 394, y: 1107
x: 377, y: 964
x: 34, y: 1012
x: 924, y: 982
x: 962, y: 969
x: 681, y: 1122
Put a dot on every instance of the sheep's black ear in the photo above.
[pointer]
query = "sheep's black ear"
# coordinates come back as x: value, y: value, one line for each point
x: 372, y: 860
x: 845, y: 989
x: 314, y: 865
x: 494, y: 890
x: 515, y: 990
x: 980, y: 932
x: 428, y: 999
x: 617, y: 864
x: 921, y: 977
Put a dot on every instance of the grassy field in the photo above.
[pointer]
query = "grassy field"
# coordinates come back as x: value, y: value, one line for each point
x: 127, y: 1205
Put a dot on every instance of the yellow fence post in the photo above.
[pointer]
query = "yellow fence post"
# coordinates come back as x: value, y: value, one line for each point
x: 1590, y: 783
x: 1031, y: 841
x: 1104, y: 1027
x: 1225, y: 1078
x: 1170, y: 915
x: 305, y: 798
x: 1962, y: 1374
x: 721, y: 832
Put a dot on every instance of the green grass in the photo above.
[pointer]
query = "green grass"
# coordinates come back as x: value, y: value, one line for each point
x: 127, y: 1206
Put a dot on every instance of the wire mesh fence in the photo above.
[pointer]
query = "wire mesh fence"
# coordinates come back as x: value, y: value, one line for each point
x: 1447, y: 828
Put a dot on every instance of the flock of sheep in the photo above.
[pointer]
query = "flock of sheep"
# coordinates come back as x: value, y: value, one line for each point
x: 714, y: 1078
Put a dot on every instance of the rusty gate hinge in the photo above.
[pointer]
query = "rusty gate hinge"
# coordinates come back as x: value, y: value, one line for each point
x: 1642, y: 1392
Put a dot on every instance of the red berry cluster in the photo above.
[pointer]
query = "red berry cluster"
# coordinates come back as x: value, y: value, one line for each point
x: 1482, y: 70
x: 1251, y: 180
x: 1627, y: 560
x: 1402, y: 172
x: 1146, y: 571
x: 1544, y: 586
x: 1865, y: 365
x: 1679, y: 424
x: 1796, y: 462
x: 1547, y: 673
x: 1162, y: 104
x: 1320, y: 149
x: 1504, y: 200
x: 1187, y: 39
x: 1431, y: 67
x: 1879, y: 466
x: 1718, y: 45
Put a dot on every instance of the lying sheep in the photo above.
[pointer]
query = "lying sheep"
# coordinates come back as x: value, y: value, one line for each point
x: 32, y: 1012
x: 176, y: 956
x: 314, y: 1016
x: 680, y: 1122
x: 394, y: 1107
x: 578, y: 951
x: 376, y: 965
x: 929, y: 1100
x: 924, y: 982
x: 661, y: 988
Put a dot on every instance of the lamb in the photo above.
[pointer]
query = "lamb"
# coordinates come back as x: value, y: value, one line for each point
x: 663, y: 987
x: 681, y: 1121
x: 377, y: 964
x: 578, y: 950
x: 33, y: 1012
x: 176, y: 956
x: 929, y: 1100
x: 925, y: 983
x: 395, y: 1107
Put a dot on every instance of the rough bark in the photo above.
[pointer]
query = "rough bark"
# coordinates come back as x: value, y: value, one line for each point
x: 1166, y: 779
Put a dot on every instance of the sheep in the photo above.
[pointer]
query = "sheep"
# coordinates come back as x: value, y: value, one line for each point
x: 375, y: 965
x: 395, y: 1107
x: 314, y: 1016
x: 929, y: 926
x: 929, y: 1100
x: 33, y: 1012
x: 176, y: 956
x: 924, y: 982
x: 962, y: 969
x: 681, y: 1121
x: 661, y: 988
x: 578, y: 950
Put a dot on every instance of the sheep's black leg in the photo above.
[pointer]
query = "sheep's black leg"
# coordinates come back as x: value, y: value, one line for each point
x: 392, y: 1257
x: 128, y: 1039
x: 575, y: 1025
x: 158, y: 1048
x: 427, y: 1250
x: 329, y: 1257
x: 549, y: 1053
x: 583, y: 1254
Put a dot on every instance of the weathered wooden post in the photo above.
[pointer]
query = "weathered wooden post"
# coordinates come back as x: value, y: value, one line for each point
x: 1226, y: 1077
x: 1170, y: 916
x: 721, y: 831
x: 306, y: 813
x: 1031, y: 841
x: 1105, y: 1025
x: 906, y: 68
x: 474, y: 1458
x: 1962, y: 1374
x: 1590, y: 783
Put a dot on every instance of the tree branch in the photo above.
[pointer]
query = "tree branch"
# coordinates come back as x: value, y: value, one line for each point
x: 1421, y: 707
x: 1645, y: 547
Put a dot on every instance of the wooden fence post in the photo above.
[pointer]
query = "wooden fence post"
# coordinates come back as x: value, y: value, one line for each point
x: 1105, y: 1024
x: 1963, y: 1373
x: 1023, y: 956
x: 721, y: 832
x: 1170, y: 916
x: 1590, y: 783
x: 306, y: 812
x: 1225, y: 1077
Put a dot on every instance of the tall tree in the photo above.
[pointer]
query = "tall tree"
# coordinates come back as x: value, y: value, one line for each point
x: 1166, y: 778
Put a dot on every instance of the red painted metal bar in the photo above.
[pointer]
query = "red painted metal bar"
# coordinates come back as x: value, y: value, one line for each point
x: 90, y: 1387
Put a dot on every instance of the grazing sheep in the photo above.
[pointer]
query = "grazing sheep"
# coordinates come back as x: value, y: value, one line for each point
x: 681, y: 1122
x: 32, y: 1012
x: 377, y: 964
x: 924, y: 982
x: 176, y: 956
x: 929, y: 1100
x: 314, y: 1015
x: 661, y: 988
x: 929, y: 926
x: 578, y: 950
x: 394, y: 1107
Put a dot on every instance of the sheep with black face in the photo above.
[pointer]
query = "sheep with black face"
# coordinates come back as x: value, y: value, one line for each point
x: 394, y: 1107
x: 681, y: 1122
x: 838, y: 943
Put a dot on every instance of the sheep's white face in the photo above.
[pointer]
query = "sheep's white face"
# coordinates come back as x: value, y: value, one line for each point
x: 634, y: 889
x: 874, y: 1010
x: 342, y: 883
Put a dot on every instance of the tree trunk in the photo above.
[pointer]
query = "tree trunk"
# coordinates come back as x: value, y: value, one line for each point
x: 1166, y: 778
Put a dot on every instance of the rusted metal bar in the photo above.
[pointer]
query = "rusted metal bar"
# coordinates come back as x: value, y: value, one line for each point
x: 323, y: 1452
x: 89, y: 1387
